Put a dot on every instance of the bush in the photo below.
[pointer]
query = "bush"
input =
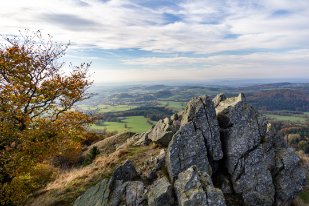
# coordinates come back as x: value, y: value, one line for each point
x: 94, y: 151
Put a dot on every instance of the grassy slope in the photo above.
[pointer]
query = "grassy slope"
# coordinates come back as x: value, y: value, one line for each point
x: 176, y: 106
x: 291, y: 118
x: 107, y: 108
x: 134, y: 124
x: 70, y: 184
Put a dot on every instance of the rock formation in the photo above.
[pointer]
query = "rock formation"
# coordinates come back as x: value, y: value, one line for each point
x: 216, y: 152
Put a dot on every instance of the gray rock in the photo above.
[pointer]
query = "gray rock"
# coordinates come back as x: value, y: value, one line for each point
x: 290, y: 177
x: 126, y: 193
x: 125, y: 172
x: 260, y: 168
x: 224, y: 140
x: 248, y: 155
x: 135, y: 193
x: 159, y: 162
x: 94, y: 196
x: 140, y: 139
x: 197, y: 142
x: 195, y: 188
x: 201, y: 112
x: 161, y: 193
x: 174, y: 117
x: 219, y: 98
x: 187, y: 148
x: 118, y: 190
x: 162, y: 132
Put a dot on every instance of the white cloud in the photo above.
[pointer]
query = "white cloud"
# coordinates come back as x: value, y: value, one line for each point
x: 202, y: 28
x: 124, y: 24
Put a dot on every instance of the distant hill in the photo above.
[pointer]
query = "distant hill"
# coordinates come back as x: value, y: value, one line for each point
x: 280, y: 99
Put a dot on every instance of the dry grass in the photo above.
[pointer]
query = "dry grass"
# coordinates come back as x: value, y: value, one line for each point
x: 69, y: 185
x: 110, y: 144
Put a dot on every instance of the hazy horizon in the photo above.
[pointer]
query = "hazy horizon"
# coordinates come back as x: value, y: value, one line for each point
x: 132, y: 41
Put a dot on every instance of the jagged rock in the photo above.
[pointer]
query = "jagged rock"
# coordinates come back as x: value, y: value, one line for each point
x: 135, y: 193
x: 140, y: 139
x: 161, y: 193
x: 290, y: 177
x: 119, y: 189
x: 162, y: 132
x: 201, y: 112
x: 174, y: 117
x: 219, y: 98
x: 250, y: 153
x: 159, y: 162
x: 125, y: 172
x: 245, y: 151
x: 126, y: 193
x: 187, y: 148
x: 197, y: 141
x: 195, y: 188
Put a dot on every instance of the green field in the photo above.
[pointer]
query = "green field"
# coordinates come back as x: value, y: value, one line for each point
x: 176, y: 106
x: 134, y: 124
x: 290, y: 118
x: 107, y: 108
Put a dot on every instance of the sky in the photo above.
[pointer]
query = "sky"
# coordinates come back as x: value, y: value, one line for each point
x: 171, y: 40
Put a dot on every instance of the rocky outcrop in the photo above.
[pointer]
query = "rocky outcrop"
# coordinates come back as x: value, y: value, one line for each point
x: 253, y: 156
x: 217, y: 151
x: 120, y: 189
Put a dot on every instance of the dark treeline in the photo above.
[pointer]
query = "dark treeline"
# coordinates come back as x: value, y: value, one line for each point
x: 153, y: 113
x: 280, y: 99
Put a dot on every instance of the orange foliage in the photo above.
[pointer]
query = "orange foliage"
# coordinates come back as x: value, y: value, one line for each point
x: 36, y: 119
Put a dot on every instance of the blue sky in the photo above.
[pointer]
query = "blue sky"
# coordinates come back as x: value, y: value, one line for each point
x: 161, y: 40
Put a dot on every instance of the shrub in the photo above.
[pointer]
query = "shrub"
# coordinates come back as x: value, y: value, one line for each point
x: 94, y: 151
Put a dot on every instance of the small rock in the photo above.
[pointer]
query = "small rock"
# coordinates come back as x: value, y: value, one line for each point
x: 159, y: 162
x: 125, y: 172
x: 219, y: 98
x: 162, y: 132
x: 134, y: 194
x: 195, y: 188
x: 161, y: 193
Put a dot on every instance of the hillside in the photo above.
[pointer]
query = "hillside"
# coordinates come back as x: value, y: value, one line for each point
x: 215, y: 152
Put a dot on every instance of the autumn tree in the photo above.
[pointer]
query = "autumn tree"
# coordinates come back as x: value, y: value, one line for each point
x: 37, y: 120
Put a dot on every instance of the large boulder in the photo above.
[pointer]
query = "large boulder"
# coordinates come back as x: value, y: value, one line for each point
x: 201, y: 112
x: 186, y: 149
x: 197, y: 142
x: 195, y: 188
x: 161, y: 193
x: 290, y: 177
x: 250, y: 154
